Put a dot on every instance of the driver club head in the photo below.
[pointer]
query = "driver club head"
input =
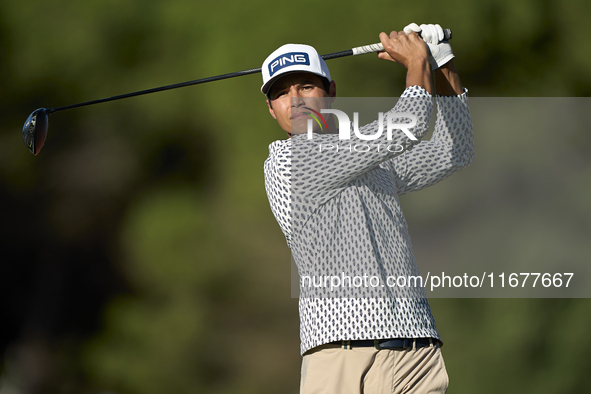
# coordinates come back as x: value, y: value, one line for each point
x: 35, y: 130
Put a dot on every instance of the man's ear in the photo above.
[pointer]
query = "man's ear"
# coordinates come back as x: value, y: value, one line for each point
x: 271, y: 111
x: 332, y: 91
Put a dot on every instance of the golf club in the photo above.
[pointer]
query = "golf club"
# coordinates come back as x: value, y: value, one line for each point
x: 35, y: 128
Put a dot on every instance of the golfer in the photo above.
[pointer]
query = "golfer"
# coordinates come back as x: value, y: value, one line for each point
x: 334, y: 190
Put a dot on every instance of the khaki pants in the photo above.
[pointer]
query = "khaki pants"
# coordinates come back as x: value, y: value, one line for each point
x: 330, y: 369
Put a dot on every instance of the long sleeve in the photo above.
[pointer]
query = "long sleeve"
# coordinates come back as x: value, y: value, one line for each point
x: 450, y: 149
x: 318, y: 174
x: 297, y: 168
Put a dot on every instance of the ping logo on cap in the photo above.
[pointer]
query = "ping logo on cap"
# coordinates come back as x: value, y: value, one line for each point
x: 288, y: 59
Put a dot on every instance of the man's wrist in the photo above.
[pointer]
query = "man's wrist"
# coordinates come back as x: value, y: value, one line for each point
x: 420, y: 62
x: 447, y: 80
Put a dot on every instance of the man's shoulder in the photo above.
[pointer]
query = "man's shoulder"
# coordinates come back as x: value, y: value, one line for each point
x: 279, y: 148
x: 279, y: 160
x: 279, y: 143
x: 277, y: 167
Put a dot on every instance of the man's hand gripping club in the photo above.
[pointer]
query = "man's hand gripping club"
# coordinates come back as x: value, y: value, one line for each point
x: 411, y: 52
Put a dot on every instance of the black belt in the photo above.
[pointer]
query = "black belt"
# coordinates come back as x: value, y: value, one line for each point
x: 396, y: 343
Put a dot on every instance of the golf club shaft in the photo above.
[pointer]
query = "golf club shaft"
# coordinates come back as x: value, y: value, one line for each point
x: 350, y: 52
x: 159, y: 89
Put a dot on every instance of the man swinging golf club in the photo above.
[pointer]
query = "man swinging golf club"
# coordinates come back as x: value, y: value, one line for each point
x: 340, y: 214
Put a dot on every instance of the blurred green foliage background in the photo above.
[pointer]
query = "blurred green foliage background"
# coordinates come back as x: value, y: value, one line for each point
x: 138, y: 254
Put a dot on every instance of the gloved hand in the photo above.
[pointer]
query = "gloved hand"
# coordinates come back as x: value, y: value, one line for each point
x: 439, y: 48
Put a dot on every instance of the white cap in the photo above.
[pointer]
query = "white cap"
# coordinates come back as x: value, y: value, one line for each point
x: 292, y: 58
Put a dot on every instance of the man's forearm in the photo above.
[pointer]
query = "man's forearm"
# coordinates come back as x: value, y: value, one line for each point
x: 447, y: 80
x: 419, y: 74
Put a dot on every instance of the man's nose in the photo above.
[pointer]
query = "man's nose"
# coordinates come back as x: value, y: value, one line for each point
x: 296, y: 98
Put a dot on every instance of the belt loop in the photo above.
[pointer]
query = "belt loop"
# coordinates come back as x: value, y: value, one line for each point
x: 431, y: 343
x: 414, y: 344
x: 347, y: 343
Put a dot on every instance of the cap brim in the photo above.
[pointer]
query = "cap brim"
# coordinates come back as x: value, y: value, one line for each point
x: 267, y: 87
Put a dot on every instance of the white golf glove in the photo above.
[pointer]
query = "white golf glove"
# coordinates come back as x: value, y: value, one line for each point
x: 439, y: 48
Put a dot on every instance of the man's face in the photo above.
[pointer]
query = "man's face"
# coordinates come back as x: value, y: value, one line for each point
x: 292, y: 95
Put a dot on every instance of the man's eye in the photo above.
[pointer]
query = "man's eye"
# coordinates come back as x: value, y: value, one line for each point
x: 277, y: 95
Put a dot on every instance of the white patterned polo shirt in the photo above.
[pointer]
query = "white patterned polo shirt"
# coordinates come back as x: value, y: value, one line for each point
x: 340, y: 214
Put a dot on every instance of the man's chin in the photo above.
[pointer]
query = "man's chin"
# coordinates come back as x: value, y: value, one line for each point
x: 296, y: 131
x: 300, y: 126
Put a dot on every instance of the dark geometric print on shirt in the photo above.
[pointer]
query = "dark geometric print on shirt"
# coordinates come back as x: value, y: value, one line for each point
x: 341, y: 216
